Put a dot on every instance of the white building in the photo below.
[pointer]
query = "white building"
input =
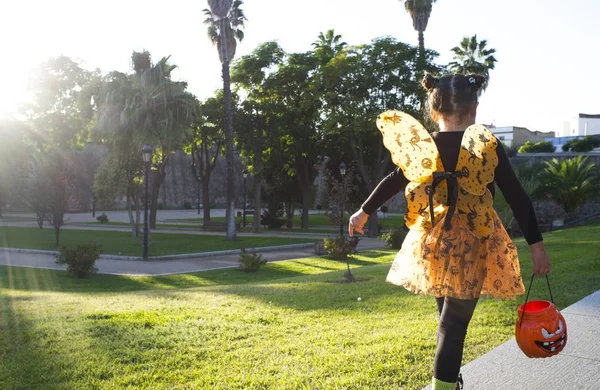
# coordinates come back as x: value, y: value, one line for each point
x: 581, y: 125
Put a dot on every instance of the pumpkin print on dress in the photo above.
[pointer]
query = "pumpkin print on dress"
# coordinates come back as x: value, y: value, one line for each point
x: 456, y: 245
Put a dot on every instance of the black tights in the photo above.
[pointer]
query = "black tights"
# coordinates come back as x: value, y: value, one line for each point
x: 455, y: 315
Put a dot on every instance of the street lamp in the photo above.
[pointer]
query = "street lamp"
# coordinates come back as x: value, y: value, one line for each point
x: 343, y: 173
x: 244, y: 215
x: 147, y: 157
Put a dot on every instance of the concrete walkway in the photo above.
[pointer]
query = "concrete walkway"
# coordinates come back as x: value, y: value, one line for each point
x: 576, y: 367
x: 167, y: 267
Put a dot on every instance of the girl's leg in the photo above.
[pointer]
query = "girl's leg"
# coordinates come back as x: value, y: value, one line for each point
x: 455, y: 315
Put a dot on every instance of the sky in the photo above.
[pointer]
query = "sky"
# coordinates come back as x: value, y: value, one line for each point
x: 548, y: 51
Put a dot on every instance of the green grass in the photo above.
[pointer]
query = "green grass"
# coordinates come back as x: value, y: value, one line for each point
x: 194, y: 225
x: 313, y: 220
x: 122, y: 243
x: 286, y: 327
x: 15, y: 218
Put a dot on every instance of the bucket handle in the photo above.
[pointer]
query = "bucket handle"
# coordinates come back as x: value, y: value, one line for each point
x: 527, y: 297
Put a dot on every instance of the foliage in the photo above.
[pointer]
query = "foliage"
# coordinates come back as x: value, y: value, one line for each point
x: 338, y: 248
x: 528, y: 176
x: 473, y: 56
x: 273, y: 220
x: 80, y: 260
x: 251, y: 261
x: 538, y: 147
x: 102, y: 218
x: 585, y: 144
x: 570, y: 182
x: 394, y: 237
x: 511, y: 151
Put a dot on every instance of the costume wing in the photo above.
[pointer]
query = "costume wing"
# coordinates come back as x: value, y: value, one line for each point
x: 477, y: 161
x: 411, y: 146
x: 414, y: 151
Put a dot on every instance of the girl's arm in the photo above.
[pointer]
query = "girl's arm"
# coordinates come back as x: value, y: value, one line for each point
x: 522, y: 209
x: 385, y: 190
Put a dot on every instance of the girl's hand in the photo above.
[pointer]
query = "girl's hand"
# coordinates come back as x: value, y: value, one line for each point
x: 357, y: 221
x: 541, y: 261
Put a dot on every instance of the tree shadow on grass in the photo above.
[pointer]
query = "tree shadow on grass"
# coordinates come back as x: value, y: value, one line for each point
x: 28, y: 361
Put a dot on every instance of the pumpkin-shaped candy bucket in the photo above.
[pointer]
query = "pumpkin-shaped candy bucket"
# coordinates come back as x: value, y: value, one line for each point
x: 541, y: 330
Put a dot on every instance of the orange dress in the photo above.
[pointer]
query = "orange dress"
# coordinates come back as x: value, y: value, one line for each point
x: 457, y: 245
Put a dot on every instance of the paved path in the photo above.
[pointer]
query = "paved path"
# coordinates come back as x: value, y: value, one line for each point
x: 166, y: 267
x: 576, y: 367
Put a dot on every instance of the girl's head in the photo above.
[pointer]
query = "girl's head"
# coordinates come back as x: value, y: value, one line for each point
x: 453, y: 98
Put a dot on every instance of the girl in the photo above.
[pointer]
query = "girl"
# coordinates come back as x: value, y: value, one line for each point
x: 456, y: 248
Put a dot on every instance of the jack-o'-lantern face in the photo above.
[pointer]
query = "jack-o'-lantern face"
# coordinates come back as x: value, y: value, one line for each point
x: 541, y: 330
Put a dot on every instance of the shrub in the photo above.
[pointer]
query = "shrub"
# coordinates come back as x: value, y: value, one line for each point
x: 251, y: 261
x: 80, y: 260
x: 585, y: 144
x: 338, y: 248
x: 384, y: 209
x: 271, y: 221
x: 102, y: 218
x: 570, y: 183
x: 538, y: 147
x: 187, y: 205
x: 394, y: 237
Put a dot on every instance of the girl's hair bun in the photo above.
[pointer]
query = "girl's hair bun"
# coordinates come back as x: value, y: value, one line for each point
x: 476, y: 80
x: 429, y: 82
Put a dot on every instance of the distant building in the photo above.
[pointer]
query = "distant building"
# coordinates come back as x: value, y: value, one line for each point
x: 581, y: 125
x: 515, y: 137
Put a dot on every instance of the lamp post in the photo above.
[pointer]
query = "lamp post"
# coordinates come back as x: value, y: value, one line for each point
x: 244, y: 215
x: 147, y: 157
x: 343, y: 173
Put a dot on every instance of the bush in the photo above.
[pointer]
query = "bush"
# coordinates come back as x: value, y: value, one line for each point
x: 251, y: 261
x: 187, y: 205
x: 102, y: 218
x: 538, y: 147
x: 339, y: 248
x: 80, y: 260
x: 585, y: 144
x: 271, y: 221
x: 394, y: 237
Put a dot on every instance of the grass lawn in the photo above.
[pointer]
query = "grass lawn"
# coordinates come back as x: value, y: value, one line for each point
x: 122, y: 243
x: 15, y: 218
x: 285, y: 327
x: 193, y: 225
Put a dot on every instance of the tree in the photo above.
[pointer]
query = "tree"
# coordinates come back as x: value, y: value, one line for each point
x: 473, y: 56
x: 225, y: 20
x: 205, y: 145
x: 538, y: 147
x: 419, y: 11
x: 328, y: 45
x: 121, y: 172
x: 13, y: 152
x: 586, y: 144
x: 159, y: 113
x: 358, y: 85
x: 571, y: 182
x: 249, y: 74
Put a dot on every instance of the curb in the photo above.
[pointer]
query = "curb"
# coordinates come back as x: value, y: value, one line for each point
x: 173, y: 257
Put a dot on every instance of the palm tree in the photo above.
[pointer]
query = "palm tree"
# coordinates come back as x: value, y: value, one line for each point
x: 419, y: 11
x: 570, y: 182
x: 225, y: 20
x: 328, y: 45
x: 473, y: 56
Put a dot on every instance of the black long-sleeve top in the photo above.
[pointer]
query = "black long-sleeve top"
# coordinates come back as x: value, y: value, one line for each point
x: 448, y: 145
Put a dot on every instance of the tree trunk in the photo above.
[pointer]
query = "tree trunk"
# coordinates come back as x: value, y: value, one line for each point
x: 305, y: 206
x: 257, y: 182
x: 158, y: 177
x: 205, y: 201
x: 373, y: 225
x: 134, y: 229
x: 93, y: 205
x: 57, y: 233
x: 138, y: 213
x: 228, y: 125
